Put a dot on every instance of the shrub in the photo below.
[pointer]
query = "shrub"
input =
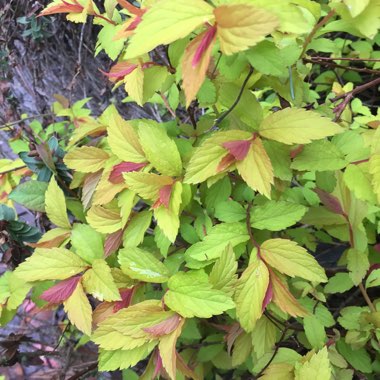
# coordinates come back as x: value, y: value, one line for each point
x: 197, y: 241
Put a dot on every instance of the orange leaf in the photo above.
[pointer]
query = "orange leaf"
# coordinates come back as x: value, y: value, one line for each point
x: 196, y: 61
x: 65, y: 7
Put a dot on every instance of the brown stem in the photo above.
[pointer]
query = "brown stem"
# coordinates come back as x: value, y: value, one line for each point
x: 353, y: 59
x: 12, y: 170
x: 359, y: 89
x: 366, y: 297
x: 315, y: 29
x: 8, y: 125
x: 335, y: 65
x: 249, y: 229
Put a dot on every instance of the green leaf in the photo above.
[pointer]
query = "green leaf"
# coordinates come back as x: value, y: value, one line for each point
x: 357, y: 264
x: 289, y: 258
x: 268, y: 59
x: 276, y: 216
x: 55, y: 205
x: 319, y: 156
x: 166, y: 22
x: 359, y: 359
x: 142, y: 265
x: 317, y: 367
x: 123, y: 359
x: 297, y: 126
x: 30, y: 194
x: 107, y: 42
x: 373, y: 279
x: 191, y: 295
x: 135, y: 231
x: 315, y: 331
x: 250, y: 293
x: 213, y: 245
x: 87, y: 243
x: 7, y: 213
x: 223, y: 274
x: 160, y: 150
x: 50, y: 264
x: 99, y: 282
x: 229, y: 211
x: 339, y: 283
x: 358, y: 180
x: 264, y: 336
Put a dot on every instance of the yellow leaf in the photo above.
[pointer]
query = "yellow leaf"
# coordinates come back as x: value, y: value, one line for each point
x: 256, y: 168
x: 104, y: 220
x: 167, y: 21
x: 242, y: 25
x: 374, y: 169
x: 167, y: 349
x: 289, y: 258
x: 315, y: 368
x: 297, y: 126
x: 79, y: 310
x: 86, y: 159
x: 205, y: 159
x: 279, y: 371
x: 99, y: 282
x: 250, y: 293
x: 52, y: 238
x: 147, y: 185
x: 284, y: 299
x: 194, y: 73
x: 50, y: 264
x: 160, y: 150
x: 123, y: 140
x: 55, y: 205
x: 168, y: 218
x: 134, y: 85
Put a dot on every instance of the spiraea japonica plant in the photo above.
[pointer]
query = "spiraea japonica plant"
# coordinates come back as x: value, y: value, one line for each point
x: 234, y: 236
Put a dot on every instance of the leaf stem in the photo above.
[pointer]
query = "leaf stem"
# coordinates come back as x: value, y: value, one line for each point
x: 366, y: 297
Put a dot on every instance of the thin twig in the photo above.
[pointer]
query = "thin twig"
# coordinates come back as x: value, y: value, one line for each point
x: 236, y: 102
x: 12, y: 170
x: 354, y: 59
x: 335, y: 65
x: 366, y: 297
x: 249, y: 229
x: 314, y: 30
x: 7, y: 125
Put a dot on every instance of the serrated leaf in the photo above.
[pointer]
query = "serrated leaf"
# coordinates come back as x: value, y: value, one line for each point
x: 315, y: 332
x: 61, y: 291
x: 263, y: 336
x: 166, y: 22
x: 191, y: 295
x: 223, y: 274
x: 135, y: 231
x: 86, y: 159
x: 242, y: 25
x: 50, y: 264
x: 317, y: 367
x: 142, y: 265
x: 229, y: 211
x: 250, y: 292
x: 123, y: 140
x: 30, y: 194
x: 276, y: 215
x: 99, y: 282
x: 319, y: 156
x: 104, y: 220
x: 357, y: 264
x: 213, y: 245
x: 256, y: 169
x: 87, y: 242
x: 123, y: 359
x: 297, y: 126
x: 339, y: 283
x: 160, y: 150
x: 358, y: 359
x: 289, y: 258
x: 374, y: 169
x: 205, y: 159
x: 79, y: 310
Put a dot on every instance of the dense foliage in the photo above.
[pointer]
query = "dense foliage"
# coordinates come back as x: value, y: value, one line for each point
x: 216, y: 241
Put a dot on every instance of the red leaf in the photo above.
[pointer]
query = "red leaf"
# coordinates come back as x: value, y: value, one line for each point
x: 131, y: 8
x: 164, y: 196
x: 113, y: 242
x: 295, y: 152
x: 65, y: 7
x: 207, y: 39
x: 268, y: 296
x: 120, y: 70
x: 165, y: 327
x: 158, y: 367
x: 61, y: 291
x: 126, y: 298
x: 225, y: 162
x: 331, y: 202
x: 239, y: 148
x: 116, y: 175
